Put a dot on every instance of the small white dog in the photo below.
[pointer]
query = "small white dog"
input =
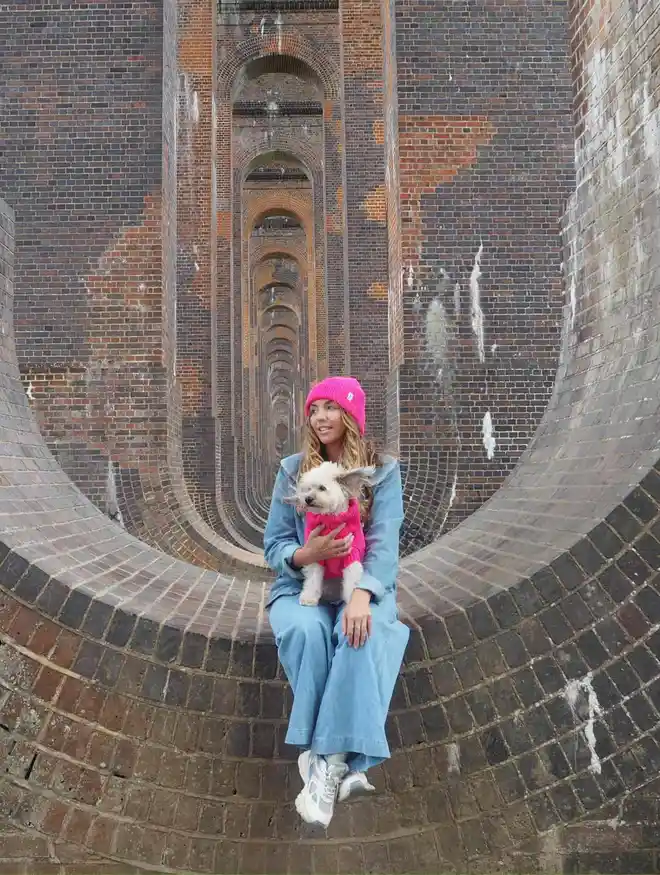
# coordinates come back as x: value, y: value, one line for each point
x: 328, y: 495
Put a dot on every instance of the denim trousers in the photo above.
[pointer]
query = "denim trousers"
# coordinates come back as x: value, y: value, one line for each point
x: 341, y: 694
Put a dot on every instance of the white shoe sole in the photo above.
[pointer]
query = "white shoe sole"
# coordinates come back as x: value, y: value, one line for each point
x: 301, y: 808
x: 303, y: 765
x: 304, y: 814
x: 357, y: 790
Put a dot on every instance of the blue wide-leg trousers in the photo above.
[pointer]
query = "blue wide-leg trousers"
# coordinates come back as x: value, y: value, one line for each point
x: 341, y: 695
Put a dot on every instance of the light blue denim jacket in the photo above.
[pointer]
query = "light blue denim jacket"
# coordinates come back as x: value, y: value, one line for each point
x: 285, y: 531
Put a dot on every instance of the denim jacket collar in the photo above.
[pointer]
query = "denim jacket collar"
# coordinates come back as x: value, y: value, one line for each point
x: 291, y: 464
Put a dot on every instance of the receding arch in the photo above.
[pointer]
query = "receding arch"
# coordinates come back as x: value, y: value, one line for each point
x: 293, y: 45
x: 306, y: 156
x: 278, y: 158
x: 277, y: 64
x: 281, y: 305
x: 277, y: 212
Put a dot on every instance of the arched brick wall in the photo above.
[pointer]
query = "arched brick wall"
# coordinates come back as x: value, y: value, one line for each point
x: 142, y: 710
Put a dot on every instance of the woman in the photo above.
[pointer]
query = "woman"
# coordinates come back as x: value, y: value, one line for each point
x: 342, y: 661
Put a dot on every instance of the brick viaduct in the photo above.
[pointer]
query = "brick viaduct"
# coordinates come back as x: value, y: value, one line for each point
x: 206, y: 206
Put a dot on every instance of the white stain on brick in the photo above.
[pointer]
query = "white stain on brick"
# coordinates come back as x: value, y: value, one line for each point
x: 278, y: 25
x: 457, y: 299
x: 583, y: 702
x: 475, y: 302
x: 452, y: 496
x: 437, y: 333
x: 111, y: 498
x: 30, y: 391
x: 651, y: 122
x: 488, y: 435
x: 452, y: 499
x: 410, y: 279
x: 572, y: 301
x: 453, y: 759
x: 194, y: 108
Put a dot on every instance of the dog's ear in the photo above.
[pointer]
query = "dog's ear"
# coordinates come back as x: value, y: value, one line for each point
x: 352, y: 481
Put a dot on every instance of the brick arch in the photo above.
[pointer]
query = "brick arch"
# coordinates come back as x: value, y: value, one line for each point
x: 281, y: 358
x: 290, y: 319
x: 297, y: 202
x: 309, y: 201
x: 277, y: 211
x: 264, y: 273
x: 264, y: 280
x: 286, y: 304
x: 274, y: 65
x: 273, y: 346
x: 257, y: 273
x: 280, y: 353
x: 293, y: 45
x: 309, y: 157
x: 287, y: 288
x: 288, y: 299
x: 286, y: 154
x: 294, y: 250
x: 279, y: 330
x: 231, y: 164
x: 272, y: 284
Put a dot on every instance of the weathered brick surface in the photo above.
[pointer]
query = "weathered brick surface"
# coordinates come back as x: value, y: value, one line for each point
x: 142, y: 710
x: 486, y: 164
x: 90, y: 165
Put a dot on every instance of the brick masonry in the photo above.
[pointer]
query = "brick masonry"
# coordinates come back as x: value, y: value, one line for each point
x: 142, y: 710
x: 486, y: 166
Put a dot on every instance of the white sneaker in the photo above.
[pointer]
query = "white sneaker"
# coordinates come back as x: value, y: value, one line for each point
x: 354, y: 784
x: 316, y: 801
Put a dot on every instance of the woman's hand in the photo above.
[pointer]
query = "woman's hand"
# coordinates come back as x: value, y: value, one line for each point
x: 319, y: 547
x: 356, y: 619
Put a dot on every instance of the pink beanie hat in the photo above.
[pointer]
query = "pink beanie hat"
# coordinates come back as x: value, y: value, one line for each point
x: 344, y: 391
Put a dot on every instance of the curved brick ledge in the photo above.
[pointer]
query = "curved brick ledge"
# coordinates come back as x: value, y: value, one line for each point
x: 144, y: 713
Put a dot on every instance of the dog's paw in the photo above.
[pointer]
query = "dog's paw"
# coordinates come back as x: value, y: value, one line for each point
x: 309, y: 601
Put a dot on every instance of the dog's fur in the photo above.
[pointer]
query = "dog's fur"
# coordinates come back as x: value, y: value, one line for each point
x: 328, y: 491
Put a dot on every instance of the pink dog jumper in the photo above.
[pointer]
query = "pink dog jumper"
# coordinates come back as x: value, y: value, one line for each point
x: 352, y: 525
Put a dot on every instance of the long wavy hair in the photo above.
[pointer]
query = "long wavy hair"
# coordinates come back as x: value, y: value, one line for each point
x: 356, y: 453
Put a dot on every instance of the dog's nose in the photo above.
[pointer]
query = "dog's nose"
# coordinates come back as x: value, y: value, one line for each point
x: 309, y: 499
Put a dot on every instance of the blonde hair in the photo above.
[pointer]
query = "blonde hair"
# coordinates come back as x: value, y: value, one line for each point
x: 356, y: 453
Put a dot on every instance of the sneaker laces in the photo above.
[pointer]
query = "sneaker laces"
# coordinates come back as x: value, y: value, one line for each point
x: 331, y: 779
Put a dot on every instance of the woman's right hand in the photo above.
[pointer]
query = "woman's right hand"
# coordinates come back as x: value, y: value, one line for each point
x: 319, y: 547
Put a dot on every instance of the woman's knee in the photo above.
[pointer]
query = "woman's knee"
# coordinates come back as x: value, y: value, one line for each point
x: 387, y: 633
x: 302, y: 623
x: 310, y: 627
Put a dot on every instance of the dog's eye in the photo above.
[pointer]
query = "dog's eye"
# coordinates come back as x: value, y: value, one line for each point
x: 322, y: 489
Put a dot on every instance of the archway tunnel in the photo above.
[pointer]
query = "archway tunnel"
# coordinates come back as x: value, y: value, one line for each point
x: 460, y: 206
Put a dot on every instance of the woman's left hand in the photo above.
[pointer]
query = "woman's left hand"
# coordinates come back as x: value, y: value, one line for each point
x: 356, y: 619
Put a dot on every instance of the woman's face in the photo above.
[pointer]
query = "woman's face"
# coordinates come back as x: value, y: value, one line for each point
x: 325, y: 418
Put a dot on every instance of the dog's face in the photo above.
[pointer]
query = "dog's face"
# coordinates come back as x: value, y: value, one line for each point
x: 327, y: 489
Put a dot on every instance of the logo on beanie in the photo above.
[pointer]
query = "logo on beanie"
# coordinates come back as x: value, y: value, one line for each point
x: 349, y: 397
